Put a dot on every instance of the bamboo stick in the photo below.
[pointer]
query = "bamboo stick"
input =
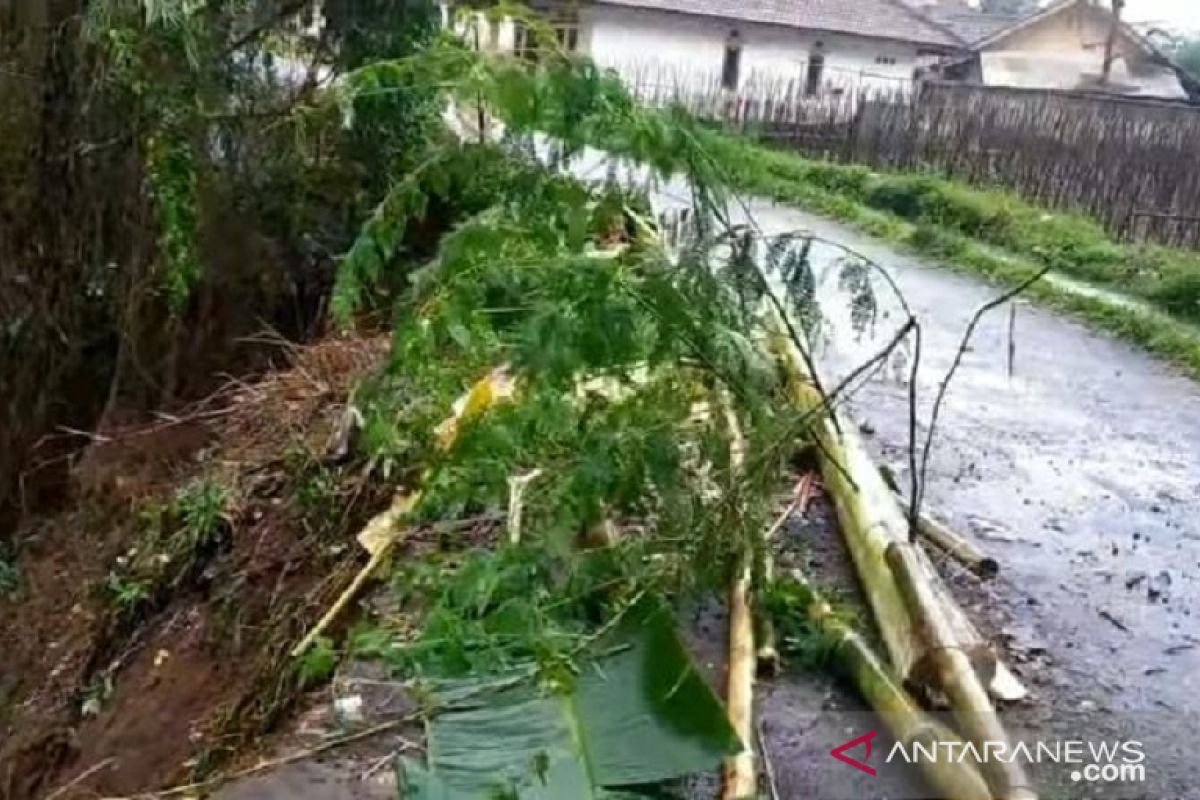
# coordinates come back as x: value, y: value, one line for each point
x: 954, y: 673
x: 740, y: 774
x: 859, y: 503
x: 949, y: 541
x: 957, y: 546
x: 904, y: 719
x: 767, y: 653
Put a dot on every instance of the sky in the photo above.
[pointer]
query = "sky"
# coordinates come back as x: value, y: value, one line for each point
x: 1178, y: 15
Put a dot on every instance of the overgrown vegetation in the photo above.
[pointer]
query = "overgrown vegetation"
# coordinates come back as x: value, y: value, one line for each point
x: 994, y: 234
x: 172, y: 181
x: 545, y: 336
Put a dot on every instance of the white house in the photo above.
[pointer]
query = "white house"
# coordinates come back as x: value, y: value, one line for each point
x: 1064, y: 45
x: 814, y: 45
x: 826, y: 47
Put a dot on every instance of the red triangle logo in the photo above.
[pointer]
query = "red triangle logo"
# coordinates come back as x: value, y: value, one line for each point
x: 839, y: 752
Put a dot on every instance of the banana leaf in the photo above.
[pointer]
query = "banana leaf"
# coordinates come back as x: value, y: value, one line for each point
x: 637, y: 717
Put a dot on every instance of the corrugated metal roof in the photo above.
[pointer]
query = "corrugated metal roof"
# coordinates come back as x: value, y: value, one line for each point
x: 880, y: 19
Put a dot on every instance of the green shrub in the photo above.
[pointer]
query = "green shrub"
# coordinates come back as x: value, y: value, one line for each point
x: 1178, y: 293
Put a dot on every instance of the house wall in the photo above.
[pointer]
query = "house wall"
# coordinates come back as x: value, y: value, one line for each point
x: 668, y: 50
x: 1066, y: 51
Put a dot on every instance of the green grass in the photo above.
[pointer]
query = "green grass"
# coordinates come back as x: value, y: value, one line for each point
x: 993, y: 234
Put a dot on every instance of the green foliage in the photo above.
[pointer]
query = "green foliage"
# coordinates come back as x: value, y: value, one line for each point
x: 806, y: 643
x: 319, y: 662
x: 613, y: 343
x: 485, y: 612
x: 390, y: 128
x: 126, y: 593
x: 172, y: 176
x: 175, y: 542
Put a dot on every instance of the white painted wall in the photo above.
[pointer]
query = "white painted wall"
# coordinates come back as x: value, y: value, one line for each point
x: 657, y: 48
x: 1066, y: 51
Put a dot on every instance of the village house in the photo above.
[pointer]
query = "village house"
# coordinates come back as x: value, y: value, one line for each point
x: 1062, y: 46
x: 821, y: 47
x: 818, y: 45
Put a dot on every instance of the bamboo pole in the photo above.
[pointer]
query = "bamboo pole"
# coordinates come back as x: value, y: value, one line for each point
x: 957, y: 546
x: 904, y: 719
x: 740, y: 774
x: 949, y: 541
x: 871, y: 520
x: 930, y: 640
x: 952, y: 671
x: 858, y: 503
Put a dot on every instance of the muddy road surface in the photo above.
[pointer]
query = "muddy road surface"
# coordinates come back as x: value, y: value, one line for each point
x: 1078, y: 467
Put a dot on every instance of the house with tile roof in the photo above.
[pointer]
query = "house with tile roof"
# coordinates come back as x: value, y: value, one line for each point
x: 817, y: 46
x: 1061, y: 46
x: 822, y: 47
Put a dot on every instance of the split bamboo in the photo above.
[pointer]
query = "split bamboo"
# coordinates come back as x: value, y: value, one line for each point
x: 904, y: 719
x: 952, y: 671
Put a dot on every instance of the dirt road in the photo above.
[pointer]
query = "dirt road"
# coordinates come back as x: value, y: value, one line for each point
x: 1080, y: 472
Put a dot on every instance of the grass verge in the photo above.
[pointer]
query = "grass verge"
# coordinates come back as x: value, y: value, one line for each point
x: 994, y: 235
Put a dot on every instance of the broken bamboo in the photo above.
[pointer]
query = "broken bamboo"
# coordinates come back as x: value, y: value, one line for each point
x: 767, y: 653
x: 951, y: 670
x: 906, y: 721
x: 872, y: 523
x: 740, y: 774
x: 949, y: 541
x: 871, y: 519
x: 957, y: 546
x: 381, y: 534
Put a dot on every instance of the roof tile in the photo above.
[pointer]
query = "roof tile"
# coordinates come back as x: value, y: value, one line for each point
x: 883, y: 19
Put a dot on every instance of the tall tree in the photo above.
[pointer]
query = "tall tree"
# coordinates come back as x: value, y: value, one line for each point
x: 1187, y: 55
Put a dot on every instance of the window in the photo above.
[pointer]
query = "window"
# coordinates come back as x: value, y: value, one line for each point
x: 887, y: 61
x: 568, y: 37
x: 525, y: 42
x: 732, y: 67
x: 816, y: 70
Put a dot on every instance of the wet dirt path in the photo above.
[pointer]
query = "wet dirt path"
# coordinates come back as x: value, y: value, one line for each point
x: 1080, y: 472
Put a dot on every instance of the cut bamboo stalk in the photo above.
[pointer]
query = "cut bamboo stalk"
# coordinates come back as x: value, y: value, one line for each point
x: 861, y: 514
x: 871, y: 520
x: 952, y: 671
x: 740, y: 774
x: 904, y: 719
x: 949, y: 541
x: 958, y: 547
